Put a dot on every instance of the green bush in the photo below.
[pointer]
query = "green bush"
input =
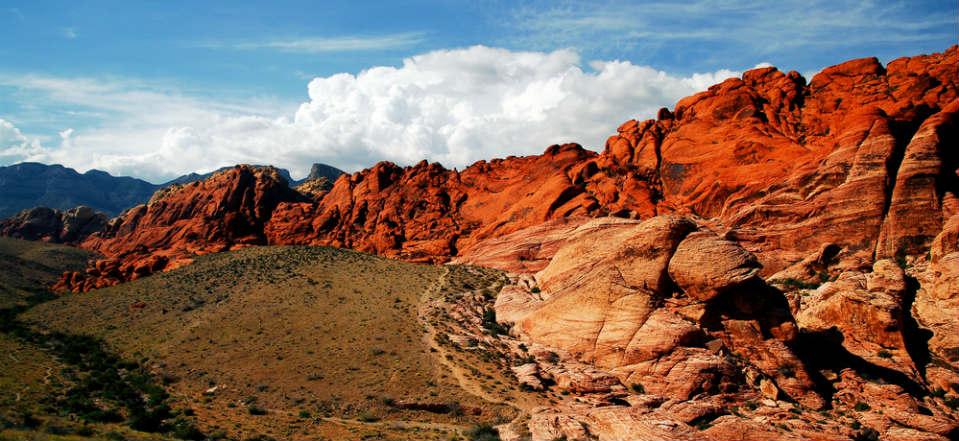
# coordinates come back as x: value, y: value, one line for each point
x: 787, y: 370
x: 867, y: 434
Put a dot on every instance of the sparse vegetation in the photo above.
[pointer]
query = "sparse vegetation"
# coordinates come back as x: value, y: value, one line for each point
x: 791, y: 283
x: 368, y: 418
x: 93, y: 386
x: 867, y: 434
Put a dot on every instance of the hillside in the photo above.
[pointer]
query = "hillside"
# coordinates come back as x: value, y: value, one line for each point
x: 44, y: 376
x: 28, y: 268
x: 318, y: 340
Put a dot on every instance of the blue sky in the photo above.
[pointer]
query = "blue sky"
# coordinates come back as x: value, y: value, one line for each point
x: 159, y: 88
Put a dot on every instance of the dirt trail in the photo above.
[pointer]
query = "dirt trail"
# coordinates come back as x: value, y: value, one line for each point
x: 402, y: 424
x: 473, y: 387
x: 428, y: 301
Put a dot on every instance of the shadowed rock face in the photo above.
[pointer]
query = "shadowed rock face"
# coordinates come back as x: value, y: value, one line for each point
x: 52, y: 225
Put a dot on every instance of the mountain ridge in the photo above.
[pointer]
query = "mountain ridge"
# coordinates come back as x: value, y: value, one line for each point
x: 780, y: 165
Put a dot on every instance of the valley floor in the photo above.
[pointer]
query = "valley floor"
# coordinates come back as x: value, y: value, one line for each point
x: 301, y: 343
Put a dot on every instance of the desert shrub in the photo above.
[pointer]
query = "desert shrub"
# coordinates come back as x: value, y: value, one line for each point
x: 867, y: 434
x: 519, y: 361
x: 861, y: 407
x: 493, y: 327
x: 185, y: 429
x: 483, y: 432
x: 884, y: 354
x: 253, y: 409
x: 638, y: 388
x: 368, y: 418
x: 901, y: 260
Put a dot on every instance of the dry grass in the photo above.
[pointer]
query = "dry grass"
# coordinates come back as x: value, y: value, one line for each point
x: 322, y: 342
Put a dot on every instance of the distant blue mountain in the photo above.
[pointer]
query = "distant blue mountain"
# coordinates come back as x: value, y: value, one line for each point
x: 30, y: 184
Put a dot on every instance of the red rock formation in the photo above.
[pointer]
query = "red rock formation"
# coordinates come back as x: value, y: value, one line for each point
x: 777, y: 165
x: 786, y: 166
x: 225, y: 211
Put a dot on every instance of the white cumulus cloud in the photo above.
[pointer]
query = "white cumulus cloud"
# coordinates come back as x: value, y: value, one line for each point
x: 452, y: 106
x: 16, y: 147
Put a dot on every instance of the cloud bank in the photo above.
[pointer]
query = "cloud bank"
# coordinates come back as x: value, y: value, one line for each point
x: 450, y: 106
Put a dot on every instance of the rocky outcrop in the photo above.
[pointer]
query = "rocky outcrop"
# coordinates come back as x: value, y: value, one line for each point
x: 869, y: 312
x: 719, y: 355
x: 705, y: 266
x: 226, y: 211
x: 52, y: 225
x: 925, y: 193
x: 610, y: 297
x: 937, y: 300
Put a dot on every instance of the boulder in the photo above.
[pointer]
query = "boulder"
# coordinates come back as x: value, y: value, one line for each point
x: 868, y: 310
x: 705, y: 265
